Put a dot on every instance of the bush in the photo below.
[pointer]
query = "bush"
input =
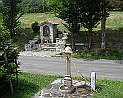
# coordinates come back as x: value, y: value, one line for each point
x: 109, y: 55
x: 35, y: 27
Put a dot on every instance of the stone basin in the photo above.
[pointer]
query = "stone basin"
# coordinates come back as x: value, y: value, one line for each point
x: 80, y: 90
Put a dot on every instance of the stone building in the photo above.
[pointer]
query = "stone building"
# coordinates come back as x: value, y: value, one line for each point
x: 50, y: 38
x: 48, y: 32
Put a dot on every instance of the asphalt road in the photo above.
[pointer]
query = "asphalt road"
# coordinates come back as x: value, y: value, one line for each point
x: 105, y: 69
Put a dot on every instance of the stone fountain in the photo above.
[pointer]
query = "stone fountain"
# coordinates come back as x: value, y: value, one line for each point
x: 67, y: 87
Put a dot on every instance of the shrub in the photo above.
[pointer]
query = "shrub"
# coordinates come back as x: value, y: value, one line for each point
x: 35, y: 27
x: 8, y: 62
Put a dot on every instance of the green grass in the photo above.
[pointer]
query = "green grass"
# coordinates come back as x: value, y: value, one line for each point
x: 29, y: 84
x: 114, y: 21
x: 29, y: 18
x: 109, y: 89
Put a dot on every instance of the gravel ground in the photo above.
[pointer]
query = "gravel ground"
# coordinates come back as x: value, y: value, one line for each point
x: 40, y: 53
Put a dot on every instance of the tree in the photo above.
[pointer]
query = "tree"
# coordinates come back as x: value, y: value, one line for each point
x: 54, y: 4
x: 34, y: 6
x: 103, y: 24
x: 35, y: 27
x: 11, y: 15
x: 92, y: 15
x: 8, y: 65
x: 70, y: 12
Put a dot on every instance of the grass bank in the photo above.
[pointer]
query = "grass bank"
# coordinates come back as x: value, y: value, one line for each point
x: 29, y: 18
x: 29, y: 84
x: 114, y: 21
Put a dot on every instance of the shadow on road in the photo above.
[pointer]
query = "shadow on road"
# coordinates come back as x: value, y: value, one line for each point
x: 119, y: 61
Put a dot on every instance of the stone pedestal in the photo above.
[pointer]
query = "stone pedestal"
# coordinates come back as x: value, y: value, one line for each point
x: 67, y: 80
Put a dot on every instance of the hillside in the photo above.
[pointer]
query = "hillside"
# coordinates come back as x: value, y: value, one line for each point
x: 114, y: 25
x: 114, y: 21
x: 29, y: 18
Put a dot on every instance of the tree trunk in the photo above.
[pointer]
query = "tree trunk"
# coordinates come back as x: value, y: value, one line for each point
x: 16, y: 71
x: 73, y: 41
x: 11, y: 86
x: 90, y: 40
x: 10, y: 79
x: 103, y: 23
x: 12, y: 33
x: 74, y: 30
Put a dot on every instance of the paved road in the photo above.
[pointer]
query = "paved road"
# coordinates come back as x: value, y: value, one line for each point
x: 108, y: 69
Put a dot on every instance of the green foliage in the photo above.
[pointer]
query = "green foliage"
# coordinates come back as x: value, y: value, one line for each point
x: 0, y: 20
x: 34, y: 6
x: 8, y: 64
x: 54, y: 4
x: 35, y: 27
x: 10, y: 16
x: 25, y: 34
x: 69, y: 11
x: 39, y: 6
x: 0, y: 7
x: 86, y: 12
x: 92, y: 13
x: 109, y: 55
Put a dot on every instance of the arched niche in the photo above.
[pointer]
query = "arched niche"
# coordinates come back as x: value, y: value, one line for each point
x: 46, y: 30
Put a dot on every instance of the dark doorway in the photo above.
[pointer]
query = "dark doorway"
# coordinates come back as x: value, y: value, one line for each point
x: 46, y: 31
